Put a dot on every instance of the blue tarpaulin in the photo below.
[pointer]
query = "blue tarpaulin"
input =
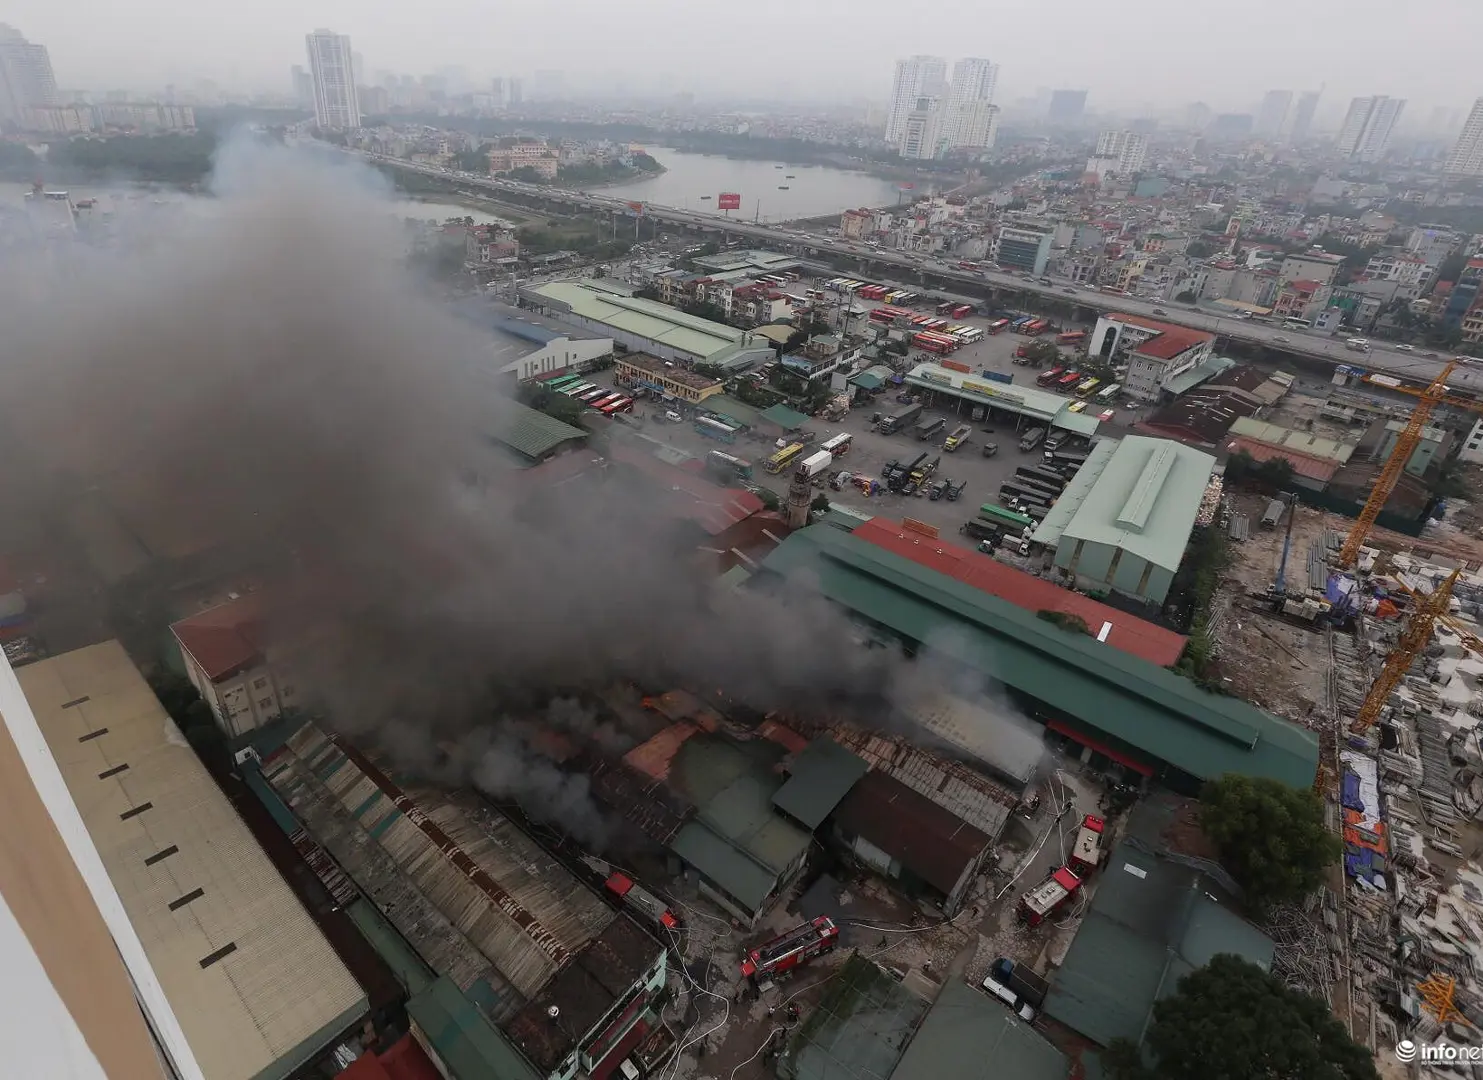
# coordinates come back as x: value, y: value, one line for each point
x: 1351, y: 798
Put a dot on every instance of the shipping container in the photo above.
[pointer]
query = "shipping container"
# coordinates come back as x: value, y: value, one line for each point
x: 815, y: 464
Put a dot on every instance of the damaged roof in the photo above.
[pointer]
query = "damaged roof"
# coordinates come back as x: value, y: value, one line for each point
x: 819, y: 776
x: 934, y: 844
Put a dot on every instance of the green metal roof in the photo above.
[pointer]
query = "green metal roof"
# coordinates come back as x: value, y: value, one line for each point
x: 1145, y: 500
x: 819, y: 777
x: 711, y: 342
x: 533, y: 433
x: 784, y: 417
x: 1146, y: 707
x: 858, y: 1028
x: 730, y: 407
x: 1049, y: 531
x: 1205, y: 370
x: 968, y: 1035
x: 1304, y: 442
x: 1152, y: 921
x: 1026, y: 400
x: 463, y: 1038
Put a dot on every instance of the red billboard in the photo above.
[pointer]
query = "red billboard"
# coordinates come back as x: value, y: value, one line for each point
x: 728, y: 200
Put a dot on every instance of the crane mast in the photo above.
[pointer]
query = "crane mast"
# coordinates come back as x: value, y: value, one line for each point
x: 1414, y: 637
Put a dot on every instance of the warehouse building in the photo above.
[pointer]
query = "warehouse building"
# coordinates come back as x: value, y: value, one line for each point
x: 1024, y: 406
x: 519, y: 969
x: 525, y: 345
x: 227, y: 941
x: 646, y: 326
x: 1153, y: 919
x: 1124, y: 520
x: 1105, y: 705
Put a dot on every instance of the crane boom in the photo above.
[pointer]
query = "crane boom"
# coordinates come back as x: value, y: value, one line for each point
x: 1405, y: 446
x: 1414, y: 637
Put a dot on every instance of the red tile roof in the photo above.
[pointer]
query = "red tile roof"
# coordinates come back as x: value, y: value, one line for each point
x: 225, y: 639
x: 1171, y: 340
x: 1314, y: 468
x: 1129, y: 633
x: 406, y: 1060
x: 932, y: 842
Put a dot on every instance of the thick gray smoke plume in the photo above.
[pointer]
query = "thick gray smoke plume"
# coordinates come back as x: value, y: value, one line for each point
x: 265, y: 374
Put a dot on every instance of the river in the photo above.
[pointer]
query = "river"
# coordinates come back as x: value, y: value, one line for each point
x: 812, y: 190
x: 138, y: 200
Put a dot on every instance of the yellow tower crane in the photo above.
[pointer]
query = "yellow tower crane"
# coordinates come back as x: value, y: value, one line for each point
x: 1414, y: 637
x: 1405, y: 446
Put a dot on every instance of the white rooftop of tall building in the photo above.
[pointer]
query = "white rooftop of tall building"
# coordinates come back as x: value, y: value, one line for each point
x: 254, y: 984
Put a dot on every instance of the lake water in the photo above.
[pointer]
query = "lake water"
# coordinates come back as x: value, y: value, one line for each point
x: 813, y: 190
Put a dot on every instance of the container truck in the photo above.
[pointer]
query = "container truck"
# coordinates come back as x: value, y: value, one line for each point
x: 1031, y: 439
x: 892, y: 424
x: 815, y: 464
x: 929, y: 428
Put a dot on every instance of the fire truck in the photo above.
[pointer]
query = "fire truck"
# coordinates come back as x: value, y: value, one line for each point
x: 1086, y: 854
x: 793, y: 949
x: 1049, y: 897
x: 631, y: 894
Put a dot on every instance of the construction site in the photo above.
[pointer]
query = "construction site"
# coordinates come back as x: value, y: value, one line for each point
x: 1372, y: 640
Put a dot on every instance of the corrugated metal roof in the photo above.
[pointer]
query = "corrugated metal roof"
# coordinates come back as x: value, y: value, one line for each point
x: 651, y: 319
x: 819, y: 776
x: 1049, y: 531
x: 463, y: 1038
x: 1144, y: 501
x: 1129, y: 633
x: 256, y: 987
x: 532, y: 433
x: 1206, y: 369
x: 968, y: 1035
x: 1303, y: 442
x: 1151, y: 922
x: 935, y: 845
x: 784, y: 417
x: 1140, y: 704
x: 1027, y: 400
x: 857, y: 1029
x: 1313, y: 468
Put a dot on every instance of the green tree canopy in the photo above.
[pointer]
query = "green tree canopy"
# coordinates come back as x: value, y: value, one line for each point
x: 1230, y: 1020
x: 1270, y: 836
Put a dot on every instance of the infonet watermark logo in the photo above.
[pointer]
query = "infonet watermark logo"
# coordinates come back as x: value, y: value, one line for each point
x: 1407, y: 1051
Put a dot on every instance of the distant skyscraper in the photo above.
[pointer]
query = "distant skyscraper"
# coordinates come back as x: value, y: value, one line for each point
x: 516, y: 92
x: 1367, y: 127
x: 1127, y: 148
x: 332, y: 67
x: 1466, y: 158
x: 303, y: 86
x: 916, y: 77
x: 1066, y: 106
x: 26, y: 79
x: 1302, y: 117
x: 968, y: 121
x: 1271, y: 115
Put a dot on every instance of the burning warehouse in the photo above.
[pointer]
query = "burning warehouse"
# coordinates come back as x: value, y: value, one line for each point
x: 540, y: 972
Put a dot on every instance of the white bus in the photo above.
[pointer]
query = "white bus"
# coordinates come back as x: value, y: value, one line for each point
x: 838, y: 445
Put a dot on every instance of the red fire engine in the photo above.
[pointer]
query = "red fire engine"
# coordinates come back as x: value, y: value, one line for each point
x: 798, y: 946
x: 1047, y: 898
x: 636, y: 896
x: 1086, y: 855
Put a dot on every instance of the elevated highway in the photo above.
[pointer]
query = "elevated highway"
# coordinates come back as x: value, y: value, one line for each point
x: 931, y: 272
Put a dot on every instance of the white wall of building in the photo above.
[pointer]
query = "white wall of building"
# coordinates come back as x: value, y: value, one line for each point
x: 558, y: 355
x: 916, y: 76
x: 1466, y: 158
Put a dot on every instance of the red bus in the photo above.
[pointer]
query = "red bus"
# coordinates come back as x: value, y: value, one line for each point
x: 1068, y: 380
x: 1037, y: 327
x: 1045, y: 378
x: 962, y: 311
x: 606, y: 399
x: 621, y: 405
x: 998, y: 326
x: 1074, y: 337
x: 886, y: 314
x: 945, y: 308
x: 931, y: 344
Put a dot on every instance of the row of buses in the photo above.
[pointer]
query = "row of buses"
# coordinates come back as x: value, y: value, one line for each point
x: 1030, y: 326
x: 608, y: 402
x: 872, y: 292
x: 1071, y: 381
x: 837, y: 446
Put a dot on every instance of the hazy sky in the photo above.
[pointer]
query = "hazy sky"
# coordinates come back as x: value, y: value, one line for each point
x: 1130, y: 53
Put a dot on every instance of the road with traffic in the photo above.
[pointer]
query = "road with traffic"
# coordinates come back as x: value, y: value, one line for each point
x: 1411, y: 366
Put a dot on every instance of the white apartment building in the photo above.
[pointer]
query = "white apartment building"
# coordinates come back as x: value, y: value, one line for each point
x: 332, y: 68
x: 919, y: 137
x: 916, y: 77
x: 970, y: 121
x: 26, y: 79
x: 1271, y: 115
x: 1127, y: 148
x: 1367, y: 127
x: 1466, y: 158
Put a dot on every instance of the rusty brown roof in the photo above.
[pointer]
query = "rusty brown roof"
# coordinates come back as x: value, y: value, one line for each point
x: 933, y: 843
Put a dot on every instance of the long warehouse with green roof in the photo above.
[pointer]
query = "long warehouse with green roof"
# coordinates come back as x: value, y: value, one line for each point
x: 1110, y: 702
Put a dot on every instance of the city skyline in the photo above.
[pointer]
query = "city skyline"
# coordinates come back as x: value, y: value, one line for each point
x: 245, y: 52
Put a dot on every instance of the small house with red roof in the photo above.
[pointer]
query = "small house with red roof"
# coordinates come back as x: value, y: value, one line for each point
x: 226, y: 659
x: 1154, y: 351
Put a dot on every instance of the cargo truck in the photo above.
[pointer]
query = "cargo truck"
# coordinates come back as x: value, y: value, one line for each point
x: 960, y: 436
x: 1031, y: 439
x: 929, y: 428
x: 815, y: 465
x: 892, y: 424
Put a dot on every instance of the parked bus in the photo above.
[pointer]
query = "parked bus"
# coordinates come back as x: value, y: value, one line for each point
x: 1038, y: 327
x: 1046, y: 378
x: 563, y: 382
x: 605, y: 400
x: 1068, y: 380
x: 933, y: 345
x: 1034, y: 473
x: 573, y: 389
x: 712, y: 428
x: 783, y: 458
x: 935, y: 324
x: 961, y: 311
x: 1026, y: 494
x: 623, y: 404
x: 1088, y: 388
x: 945, y: 307
x: 991, y: 512
x: 594, y: 394
x: 1071, y: 337
x: 970, y: 335
x: 998, y: 326
x: 727, y: 467
x: 1022, y: 322
x: 838, y: 445
x: 1109, y: 393
x: 908, y: 298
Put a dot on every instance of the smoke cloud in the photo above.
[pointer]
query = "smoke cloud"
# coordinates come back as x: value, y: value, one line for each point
x: 263, y: 385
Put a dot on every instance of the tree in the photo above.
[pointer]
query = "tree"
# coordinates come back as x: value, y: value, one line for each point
x: 1186, y: 297
x: 1231, y: 1020
x: 1270, y: 836
x: 1065, y: 620
x: 820, y: 505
